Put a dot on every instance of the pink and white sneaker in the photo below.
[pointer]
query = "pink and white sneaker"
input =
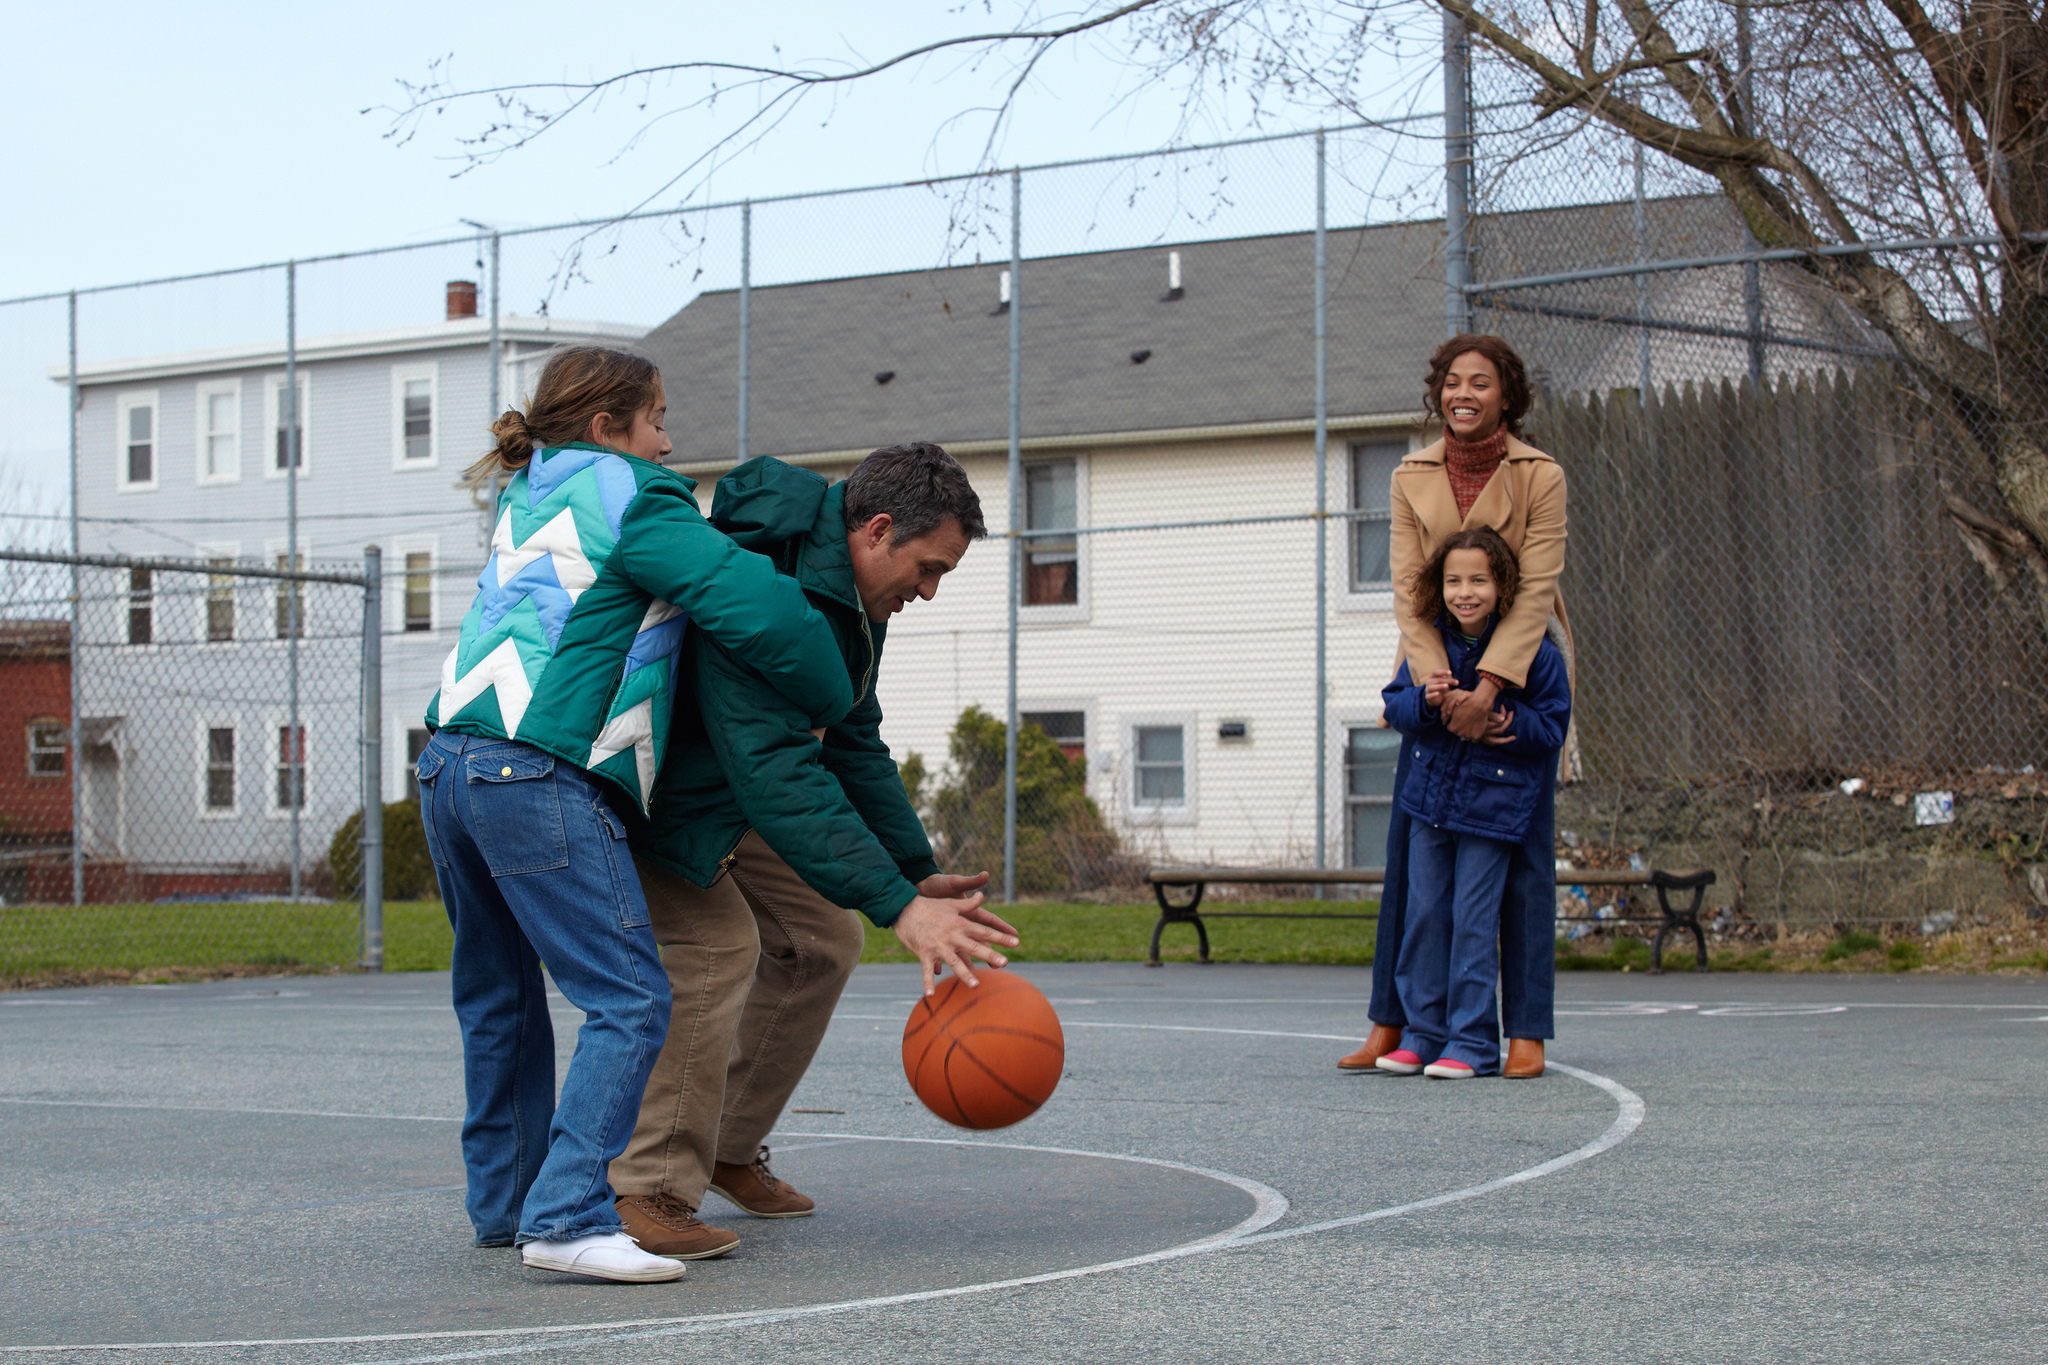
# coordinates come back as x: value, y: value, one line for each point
x: 1401, y: 1062
x: 1445, y: 1069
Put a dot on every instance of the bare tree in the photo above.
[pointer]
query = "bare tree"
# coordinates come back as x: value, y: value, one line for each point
x: 1829, y: 126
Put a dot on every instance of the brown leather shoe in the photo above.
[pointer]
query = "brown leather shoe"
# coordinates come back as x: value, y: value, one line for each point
x: 1525, y: 1059
x: 1383, y: 1039
x: 664, y: 1225
x: 754, y: 1188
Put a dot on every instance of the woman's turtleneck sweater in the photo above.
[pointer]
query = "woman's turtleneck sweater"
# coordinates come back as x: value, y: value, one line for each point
x: 1471, y: 464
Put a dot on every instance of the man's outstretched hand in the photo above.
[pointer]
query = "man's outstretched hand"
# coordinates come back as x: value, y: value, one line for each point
x: 944, y: 885
x: 953, y: 930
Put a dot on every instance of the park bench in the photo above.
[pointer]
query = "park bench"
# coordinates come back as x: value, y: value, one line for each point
x: 1196, y: 880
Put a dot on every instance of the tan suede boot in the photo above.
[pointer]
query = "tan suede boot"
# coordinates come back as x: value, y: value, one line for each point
x: 1525, y: 1059
x: 757, y: 1190
x: 666, y: 1226
x: 1383, y: 1039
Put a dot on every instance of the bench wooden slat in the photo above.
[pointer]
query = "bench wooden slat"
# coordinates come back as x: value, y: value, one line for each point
x: 1376, y: 876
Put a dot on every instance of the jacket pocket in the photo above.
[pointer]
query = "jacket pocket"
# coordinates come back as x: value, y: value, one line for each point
x: 516, y: 810
x: 1422, y: 771
x: 1497, y: 794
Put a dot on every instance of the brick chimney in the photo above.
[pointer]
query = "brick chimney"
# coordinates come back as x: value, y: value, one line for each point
x: 461, y: 299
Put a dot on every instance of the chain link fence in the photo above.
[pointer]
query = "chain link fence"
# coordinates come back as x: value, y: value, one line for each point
x: 1796, y: 664
x: 1217, y: 358
x: 194, y: 771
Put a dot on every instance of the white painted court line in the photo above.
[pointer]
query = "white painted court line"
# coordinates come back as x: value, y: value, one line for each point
x: 1270, y: 1207
x: 232, y: 1109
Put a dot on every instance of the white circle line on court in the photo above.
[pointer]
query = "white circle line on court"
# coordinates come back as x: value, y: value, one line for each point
x: 1270, y: 1207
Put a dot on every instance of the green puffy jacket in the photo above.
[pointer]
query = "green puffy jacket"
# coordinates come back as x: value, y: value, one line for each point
x: 598, y: 563
x: 744, y: 756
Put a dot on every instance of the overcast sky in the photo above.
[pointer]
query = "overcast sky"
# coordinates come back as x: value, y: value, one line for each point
x: 145, y: 139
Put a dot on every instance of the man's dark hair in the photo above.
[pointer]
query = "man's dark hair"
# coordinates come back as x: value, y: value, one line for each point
x: 919, y: 485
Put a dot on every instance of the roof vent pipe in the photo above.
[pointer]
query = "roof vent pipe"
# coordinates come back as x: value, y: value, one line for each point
x: 1173, y: 289
x: 1003, y: 289
x: 461, y: 299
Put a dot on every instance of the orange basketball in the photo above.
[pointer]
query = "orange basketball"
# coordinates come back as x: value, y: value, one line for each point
x: 984, y: 1056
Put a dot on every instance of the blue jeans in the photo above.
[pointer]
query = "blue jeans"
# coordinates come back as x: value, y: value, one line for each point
x: 1450, y: 953
x: 1528, y: 923
x: 533, y: 867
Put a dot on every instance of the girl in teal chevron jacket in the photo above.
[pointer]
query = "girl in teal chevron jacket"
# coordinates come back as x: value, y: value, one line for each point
x: 554, y: 704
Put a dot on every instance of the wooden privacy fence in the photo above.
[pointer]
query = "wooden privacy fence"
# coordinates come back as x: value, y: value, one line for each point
x: 1764, y: 581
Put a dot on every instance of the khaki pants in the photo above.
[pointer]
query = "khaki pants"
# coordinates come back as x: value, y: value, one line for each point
x: 755, y: 965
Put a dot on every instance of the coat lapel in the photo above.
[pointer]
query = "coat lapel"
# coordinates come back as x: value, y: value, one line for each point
x: 1429, y: 493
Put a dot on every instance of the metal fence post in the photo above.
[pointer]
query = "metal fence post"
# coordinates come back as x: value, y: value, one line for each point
x: 1016, y: 527
x: 1322, y: 517
x: 746, y: 317
x: 1457, y: 175
x: 372, y: 842
x: 77, y: 755
x: 1752, y: 271
x: 497, y: 342
x: 295, y: 744
x: 1644, y: 381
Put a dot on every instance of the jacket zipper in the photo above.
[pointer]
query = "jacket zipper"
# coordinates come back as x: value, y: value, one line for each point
x: 868, y: 673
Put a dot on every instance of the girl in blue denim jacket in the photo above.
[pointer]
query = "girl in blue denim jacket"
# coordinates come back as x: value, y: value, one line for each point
x: 1471, y: 803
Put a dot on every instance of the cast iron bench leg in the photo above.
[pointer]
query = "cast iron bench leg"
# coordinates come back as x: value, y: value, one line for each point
x: 1688, y: 919
x: 1169, y: 913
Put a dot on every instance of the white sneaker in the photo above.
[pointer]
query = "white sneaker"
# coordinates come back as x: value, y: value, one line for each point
x: 605, y: 1256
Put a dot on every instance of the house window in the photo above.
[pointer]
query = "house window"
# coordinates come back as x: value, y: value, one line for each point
x: 291, y: 768
x: 220, y: 602
x: 220, y: 768
x: 1052, y: 564
x: 415, y: 744
x: 281, y: 433
x: 220, y: 433
x: 1370, y: 755
x: 419, y: 590
x: 416, y: 420
x: 47, y: 740
x: 1068, y: 729
x: 141, y: 606
x: 291, y: 601
x: 135, y: 418
x: 1372, y: 484
x: 1161, y: 767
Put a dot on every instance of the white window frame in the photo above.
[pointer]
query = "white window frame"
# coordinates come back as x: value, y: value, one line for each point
x: 232, y: 552
x: 202, y: 444
x: 1362, y: 599
x: 431, y: 547
x: 278, y: 720
x: 156, y: 613
x: 202, y: 724
x: 62, y: 750
x: 1187, y: 813
x: 1093, y: 752
x: 273, y: 401
x: 400, y: 376
x: 274, y: 550
x: 1063, y: 613
x: 1340, y: 795
x: 123, y: 404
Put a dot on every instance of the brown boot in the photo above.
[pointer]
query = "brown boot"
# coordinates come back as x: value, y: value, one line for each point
x: 664, y: 1225
x: 1525, y: 1059
x: 1383, y: 1039
x: 754, y: 1188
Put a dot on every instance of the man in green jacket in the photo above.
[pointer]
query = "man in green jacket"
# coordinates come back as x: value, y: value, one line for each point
x: 761, y: 829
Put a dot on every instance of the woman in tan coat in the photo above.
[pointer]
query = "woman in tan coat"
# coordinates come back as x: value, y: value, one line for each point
x: 1480, y: 474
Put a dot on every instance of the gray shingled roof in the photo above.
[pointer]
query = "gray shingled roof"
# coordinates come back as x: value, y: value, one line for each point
x: 1236, y: 348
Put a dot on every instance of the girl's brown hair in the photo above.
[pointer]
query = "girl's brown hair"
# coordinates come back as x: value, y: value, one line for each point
x: 1426, y: 589
x: 577, y: 384
x: 1514, y: 378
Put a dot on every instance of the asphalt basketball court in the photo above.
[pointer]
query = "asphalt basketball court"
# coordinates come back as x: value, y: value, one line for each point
x: 1719, y: 1168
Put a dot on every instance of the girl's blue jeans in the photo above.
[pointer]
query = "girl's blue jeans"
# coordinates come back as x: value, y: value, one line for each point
x: 533, y: 868
x: 1450, y: 946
